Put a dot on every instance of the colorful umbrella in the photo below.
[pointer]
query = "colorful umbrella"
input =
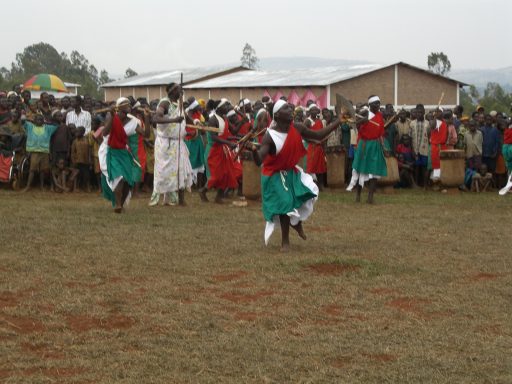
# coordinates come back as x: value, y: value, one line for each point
x: 45, y: 82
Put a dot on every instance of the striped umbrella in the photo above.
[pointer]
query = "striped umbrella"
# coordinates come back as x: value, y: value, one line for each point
x: 45, y: 82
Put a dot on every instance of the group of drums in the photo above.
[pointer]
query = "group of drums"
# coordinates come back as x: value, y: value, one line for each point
x: 452, y: 171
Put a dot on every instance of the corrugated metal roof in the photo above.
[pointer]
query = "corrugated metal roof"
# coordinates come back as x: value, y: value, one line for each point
x: 291, y: 78
x: 321, y: 76
x: 166, y: 77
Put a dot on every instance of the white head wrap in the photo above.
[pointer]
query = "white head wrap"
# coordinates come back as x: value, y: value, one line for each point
x: 373, y: 99
x: 122, y: 101
x: 311, y: 106
x: 222, y: 102
x: 231, y: 113
x: 192, y: 106
x: 260, y: 111
x: 278, y: 105
x: 136, y: 105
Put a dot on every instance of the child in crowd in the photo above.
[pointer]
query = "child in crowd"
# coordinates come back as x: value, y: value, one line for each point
x: 406, y: 160
x: 63, y: 176
x: 481, y: 180
x: 81, y: 158
x: 38, y: 146
x: 95, y: 139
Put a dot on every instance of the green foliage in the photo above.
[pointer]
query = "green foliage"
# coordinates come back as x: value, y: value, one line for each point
x: 466, y: 101
x: 249, y: 58
x: 438, y: 63
x: 44, y: 58
x: 495, y: 98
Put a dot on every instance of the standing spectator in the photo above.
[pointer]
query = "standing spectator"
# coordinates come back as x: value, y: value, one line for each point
x: 473, y: 140
x: 38, y: 145
x: 490, y: 144
x: 60, y: 144
x: 78, y: 116
x: 403, y: 124
x: 452, y: 132
x: 65, y: 105
x: 391, y: 130
x: 44, y: 106
x: 419, y: 136
x: 5, y: 111
x: 81, y: 158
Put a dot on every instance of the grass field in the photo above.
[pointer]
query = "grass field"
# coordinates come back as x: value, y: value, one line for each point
x: 416, y: 289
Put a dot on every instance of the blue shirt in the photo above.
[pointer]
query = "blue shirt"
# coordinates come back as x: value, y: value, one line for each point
x: 491, y: 141
x: 38, y: 137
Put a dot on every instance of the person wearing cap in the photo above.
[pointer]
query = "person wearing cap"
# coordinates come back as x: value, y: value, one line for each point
x: 173, y: 171
x: 118, y: 166
x: 37, y: 145
x: 288, y: 194
x: 223, y: 171
x: 194, y: 143
x: 315, y: 163
x: 369, y: 163
x: 438, y: 139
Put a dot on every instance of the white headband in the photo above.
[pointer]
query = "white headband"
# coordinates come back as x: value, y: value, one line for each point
x: 231, y: 113
x: 222, y: 102
x: 122, y: 101
x: 194, y: 104
x: 278, y: 105
x: 311, y: 107
x: 260, y: 111
x: 373, y: 99
x: 245, y: 102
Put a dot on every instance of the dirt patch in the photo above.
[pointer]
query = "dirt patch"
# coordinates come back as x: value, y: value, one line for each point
x: 409, y: 304
x: 22, y: 325
x: 341, y: 362
x: 246, y: 316
x: 332, y: 309
x: 484, y: 276
x: 43, y: 351
x: 84, y: 323
x: 331, y: 269
x: 230, y: 276
x: 9, y: 299
x: 380, y: 357
x: 383, y: 291
x: 240, y: 298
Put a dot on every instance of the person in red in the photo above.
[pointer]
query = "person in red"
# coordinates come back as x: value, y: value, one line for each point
x: 438, y: 138
x: 248, y: 121
x: 315, y: 163
x: 507, y: 153
x: 369, y: 164
x: 225, y: 171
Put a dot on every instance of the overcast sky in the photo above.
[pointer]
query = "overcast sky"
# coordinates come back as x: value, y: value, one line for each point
x: 157, y: 34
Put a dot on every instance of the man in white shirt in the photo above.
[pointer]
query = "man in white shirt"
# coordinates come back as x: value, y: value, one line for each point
x: 78, y: 116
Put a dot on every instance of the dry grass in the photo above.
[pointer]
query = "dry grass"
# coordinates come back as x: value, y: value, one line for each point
x: 416, y: 289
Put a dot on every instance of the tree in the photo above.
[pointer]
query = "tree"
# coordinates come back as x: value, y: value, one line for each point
x: 438, y: 63
x: 249, y: 58
x: 43, y: 58
x: 495, y: 98
x: 130, y: 73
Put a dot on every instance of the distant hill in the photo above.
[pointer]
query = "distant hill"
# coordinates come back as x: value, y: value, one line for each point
x: 480, y: 77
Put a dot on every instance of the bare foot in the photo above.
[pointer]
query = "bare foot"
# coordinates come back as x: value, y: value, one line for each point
x: 218, y: 200
x: 118, y: 209
x: 300, y: 230
x: 285, y: 248
x: 202, y: 195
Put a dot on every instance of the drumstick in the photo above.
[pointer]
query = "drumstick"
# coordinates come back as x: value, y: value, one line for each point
x: 203, y: 128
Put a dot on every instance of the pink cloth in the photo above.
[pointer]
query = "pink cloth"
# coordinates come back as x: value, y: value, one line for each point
x: 294, y: 98
x: 307, y: 96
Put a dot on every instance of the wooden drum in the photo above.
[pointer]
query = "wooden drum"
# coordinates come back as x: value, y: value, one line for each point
x: 453, y: 167
x: 393, y: 176
x: 251, y: 179
x: 335, y: 157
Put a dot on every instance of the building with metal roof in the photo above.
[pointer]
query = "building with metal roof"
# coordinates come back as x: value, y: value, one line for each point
x: 152, y: 85
x: 400, y: 84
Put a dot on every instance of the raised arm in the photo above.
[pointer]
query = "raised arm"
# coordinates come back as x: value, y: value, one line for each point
x: 317, y: 135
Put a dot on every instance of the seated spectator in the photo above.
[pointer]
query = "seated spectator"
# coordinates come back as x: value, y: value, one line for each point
x: 406, y: 160
x: 63, y: 176
x: 481, y: 180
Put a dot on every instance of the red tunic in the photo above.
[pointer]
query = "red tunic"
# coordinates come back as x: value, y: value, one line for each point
x: 141, y: 151
x: 316, y: 155
x: 191, y: 131
x: 117, y: 138
x: 224, y: 170
x: 370, y: 131
x: 292, y: 152
x: 245, y: 128
x: 438, y: 138
x: 507, y: 137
